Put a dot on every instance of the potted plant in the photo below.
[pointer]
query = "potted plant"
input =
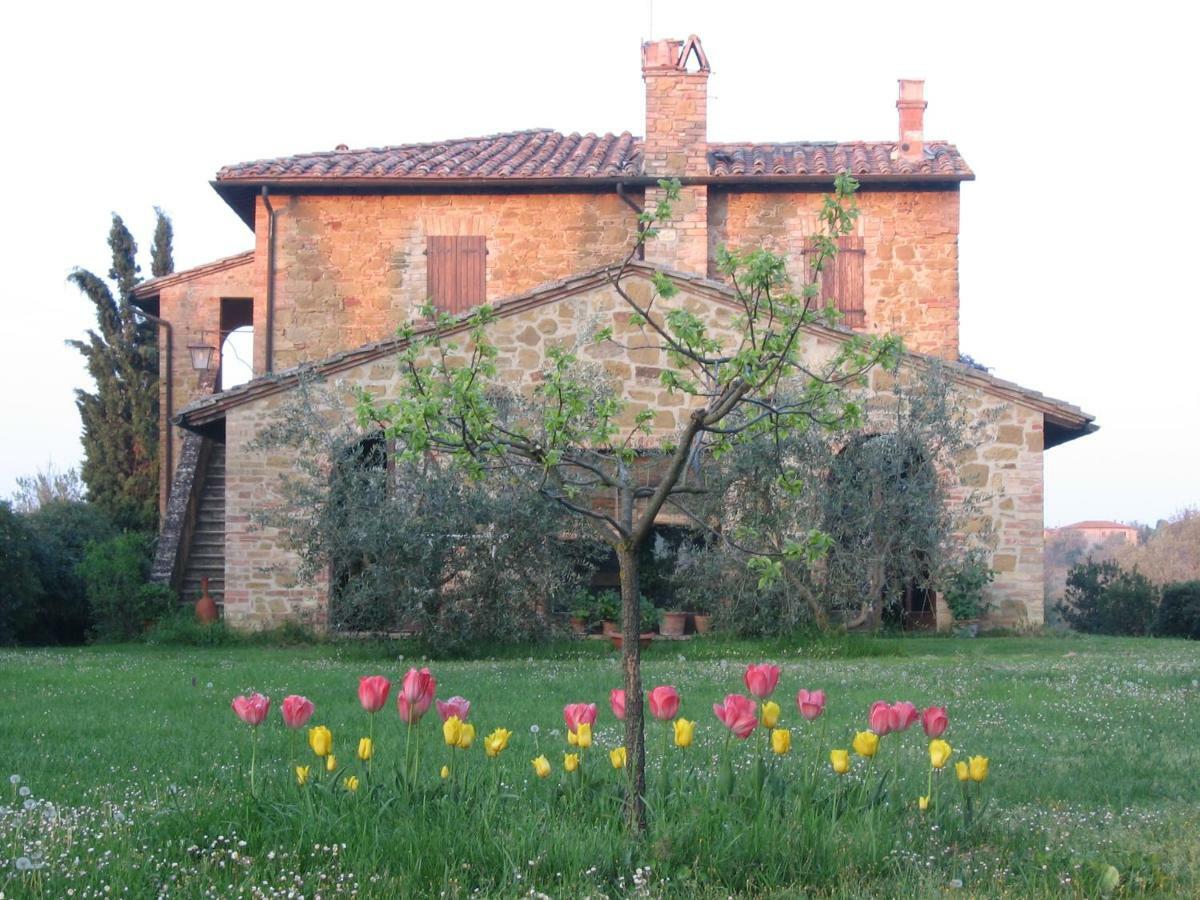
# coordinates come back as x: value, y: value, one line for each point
x: 649, y: 621
x: 608, y: 610
x: 964, y: 592
x: 583, y: 609
x: 701, y: 607
x: 673, y: 623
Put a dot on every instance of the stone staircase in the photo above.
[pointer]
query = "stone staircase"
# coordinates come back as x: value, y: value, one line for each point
x: 206, y: 553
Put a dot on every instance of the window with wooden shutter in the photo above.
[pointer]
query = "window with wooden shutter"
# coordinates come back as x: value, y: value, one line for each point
x: 457, y: 267
x: 842, y: 279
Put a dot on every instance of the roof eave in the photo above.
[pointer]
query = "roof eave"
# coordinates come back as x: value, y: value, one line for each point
x: 239, y: 191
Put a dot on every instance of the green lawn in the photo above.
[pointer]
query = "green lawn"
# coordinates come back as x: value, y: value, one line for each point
x: 136, y: 764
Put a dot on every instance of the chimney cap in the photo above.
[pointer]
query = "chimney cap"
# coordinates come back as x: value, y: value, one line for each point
x: 672, y: 54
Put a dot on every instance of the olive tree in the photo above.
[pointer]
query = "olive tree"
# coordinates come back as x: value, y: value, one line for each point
x: 565, y: 440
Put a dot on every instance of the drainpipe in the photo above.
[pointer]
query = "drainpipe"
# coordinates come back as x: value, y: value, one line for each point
x: 641, y: 250
x: 166, y: 327
x: 270, y: 342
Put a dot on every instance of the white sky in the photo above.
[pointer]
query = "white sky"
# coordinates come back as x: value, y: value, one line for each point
x: 1078, y: 240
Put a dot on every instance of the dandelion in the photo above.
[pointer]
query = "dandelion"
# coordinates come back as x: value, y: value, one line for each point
x: 24, y: 863
x: 533, y: 729
x: 14, y: 780
x: 25, y: 790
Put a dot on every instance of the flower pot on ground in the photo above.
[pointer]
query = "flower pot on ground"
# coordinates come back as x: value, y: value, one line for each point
x: 673, y: 623
x: 206, y: 607
x: 579, y: 625
x: 702, y: 622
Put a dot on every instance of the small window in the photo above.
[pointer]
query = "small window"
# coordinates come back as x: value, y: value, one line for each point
x: 457, y: 271
x: 237, y: 341
x: 841, y: 279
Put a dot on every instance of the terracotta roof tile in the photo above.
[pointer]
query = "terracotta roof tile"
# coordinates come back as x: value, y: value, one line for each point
x: 548, y: 154
x: 519, y: 154
x: 859, y: 158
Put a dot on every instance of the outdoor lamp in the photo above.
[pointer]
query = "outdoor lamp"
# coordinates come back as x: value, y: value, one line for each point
x: 202, y: 355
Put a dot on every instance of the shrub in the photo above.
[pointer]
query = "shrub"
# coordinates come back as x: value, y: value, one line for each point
x: 62, y: 532
x: 1102, y: 598
x: 115, y: 574
x: 20, y: 586
x: 965, y: 586
x: 1179, y: 611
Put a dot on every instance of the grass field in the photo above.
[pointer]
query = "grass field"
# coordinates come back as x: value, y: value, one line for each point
x: 136, y: 766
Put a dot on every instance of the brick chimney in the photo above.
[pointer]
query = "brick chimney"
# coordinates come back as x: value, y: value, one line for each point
x: 676, y: 145
x: 912, y: 118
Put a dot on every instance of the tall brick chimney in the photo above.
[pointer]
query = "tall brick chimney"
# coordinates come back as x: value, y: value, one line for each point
x: 912, y: 118
x: 676, y: 145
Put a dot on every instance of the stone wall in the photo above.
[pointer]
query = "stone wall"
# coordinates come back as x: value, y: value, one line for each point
x: 260, y: 580
x: 911, y: 242
x: 350, y: 269
x: 193, y: 307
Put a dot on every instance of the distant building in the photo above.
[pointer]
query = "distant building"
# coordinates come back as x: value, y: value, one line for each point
x: 1095, y: 533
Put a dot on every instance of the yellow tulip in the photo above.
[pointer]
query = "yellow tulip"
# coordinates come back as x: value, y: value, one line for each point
x: 582, y: 736
x: 452, y: 730
x: 939, y: 753
x: 617, y: 757
x: 923, y: 802
x: 684, y: 732
x: 330, y: 763
x: 840, y: 760
x: 301, y: 775
x: 496, y: 741
x: 979, y: 768
x: 351, y: 783
x: 866, y: 743
x: 466, y: 736
x: 770, y: 714
x: 366, y: 749
x: 962, y: 770
x: 571, y: 762
x: 541, y: 766
x: 781, y: 741
x: 445, y: 773
x: 321, y: 740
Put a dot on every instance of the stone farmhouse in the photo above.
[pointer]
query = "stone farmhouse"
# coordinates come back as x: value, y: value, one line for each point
x: 349, y: 244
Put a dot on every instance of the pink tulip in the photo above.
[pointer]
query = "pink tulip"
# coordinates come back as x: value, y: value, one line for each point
x: 253, y: 709
x: 576, y: 714
x: 934, y: 720
x: 664, y: 702
x: 373, y: 692
x: 739, y: 714
x: 904, y: 716
x: 810, y: 703
x: 761, y: 679
x: 416, y: 695
x: 455, y: 706
x: 296, y: 711
x: 880, y: 718
x: 616, y: 699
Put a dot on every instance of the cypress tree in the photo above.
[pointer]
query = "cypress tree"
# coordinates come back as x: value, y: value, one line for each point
x: 120, y: 417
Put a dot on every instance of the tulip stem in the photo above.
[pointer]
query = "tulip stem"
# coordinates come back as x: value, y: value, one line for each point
x: 253, y: 756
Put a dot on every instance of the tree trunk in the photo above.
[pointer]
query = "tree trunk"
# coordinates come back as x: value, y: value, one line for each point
x: 631, y: 665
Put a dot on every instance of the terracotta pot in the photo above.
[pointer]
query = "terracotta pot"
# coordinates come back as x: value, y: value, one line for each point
x: 610, y: 628
x: 702, y: 622
x: 206, y: 606
x: 618, y: 641
x: 673, y: 624
x: 578, y: 625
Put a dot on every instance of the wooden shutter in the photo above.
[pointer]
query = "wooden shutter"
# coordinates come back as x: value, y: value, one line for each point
x: 842, y: 279
x: 457, y: 267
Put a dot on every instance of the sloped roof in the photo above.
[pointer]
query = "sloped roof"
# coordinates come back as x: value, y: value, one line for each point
x: 1095, y: 524
x: 151, y: 287
x: 1064, y: 421
x: 542, y: 153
